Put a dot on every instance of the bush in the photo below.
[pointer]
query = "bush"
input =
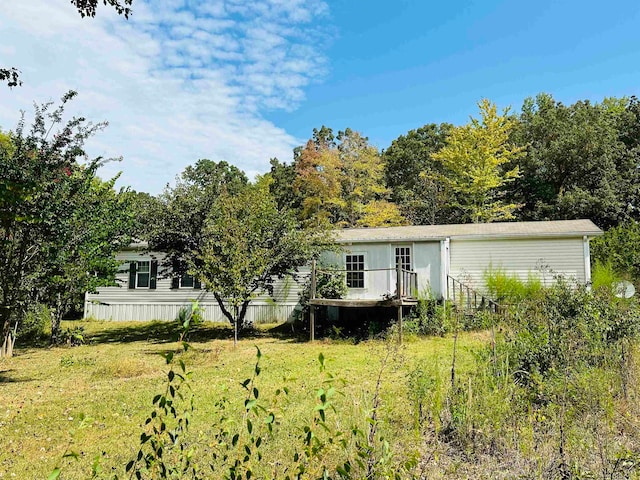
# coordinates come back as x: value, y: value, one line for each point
x: 35, y: 324
x: 509, y: 288
x: 554, y: 387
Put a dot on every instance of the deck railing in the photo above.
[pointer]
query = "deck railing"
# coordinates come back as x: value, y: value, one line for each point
x: 469, y: 299
x: 406, y: 281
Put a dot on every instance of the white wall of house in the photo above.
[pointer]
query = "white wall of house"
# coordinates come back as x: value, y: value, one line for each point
x: 426, y: 263
x: 163, y: 303
x: 470, y: 259
x: 380, y: 263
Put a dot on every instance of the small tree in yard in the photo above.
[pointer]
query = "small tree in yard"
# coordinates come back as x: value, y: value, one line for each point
x: 249, y: 243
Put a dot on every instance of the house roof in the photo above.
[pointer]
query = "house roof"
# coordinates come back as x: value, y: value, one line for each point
x: 555, y: 228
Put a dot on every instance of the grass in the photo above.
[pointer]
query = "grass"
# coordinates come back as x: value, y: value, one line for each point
x: 112, y: 380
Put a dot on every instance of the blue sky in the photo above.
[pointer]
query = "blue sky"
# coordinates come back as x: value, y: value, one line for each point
x: 395, y: 66
x: 245, y: 81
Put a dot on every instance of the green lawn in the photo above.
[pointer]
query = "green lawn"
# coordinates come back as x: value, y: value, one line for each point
x: 112, y: 380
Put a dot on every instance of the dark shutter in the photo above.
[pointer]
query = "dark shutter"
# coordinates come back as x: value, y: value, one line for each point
x: 132, y: 275
x: 197, y: 284
x: 154, y: 274
x: 175, y: 279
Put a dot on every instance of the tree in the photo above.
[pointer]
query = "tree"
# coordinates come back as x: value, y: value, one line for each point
x: 421, y: 199
x: 317, y: 183
x: 475, y: 159
x: 283, y: 177
x: 581, y: 160
x: 11, y: 76
x: 179, y: 215
x: 248, y: 243
x: 87, y: 8
x: 340, y: 183
x: 83, y: 256
x: 43, y: 193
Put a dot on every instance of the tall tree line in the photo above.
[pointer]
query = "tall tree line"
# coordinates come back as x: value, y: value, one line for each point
x: 548, y: 161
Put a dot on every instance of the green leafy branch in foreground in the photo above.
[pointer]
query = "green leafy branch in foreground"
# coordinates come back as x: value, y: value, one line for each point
x: 321, y: 450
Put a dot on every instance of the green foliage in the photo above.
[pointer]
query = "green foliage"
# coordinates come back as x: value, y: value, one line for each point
x: 421, y: 200
x: 476, y: 161
x: 249, y: 242
x: 60, y: 226
x: 73, y: 336
x: 577, y: 164
x: 620, y: 247
x: 604, y: 276
x: 427, y: 394
x: 569, y: 328
x: 548, y: 391
x: 507, y: 288
x: 427, y: 317
x: 330, y: 283
x: 176, y: 220
x: 35, y: 324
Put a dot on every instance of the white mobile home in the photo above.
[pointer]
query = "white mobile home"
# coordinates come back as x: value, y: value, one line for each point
x: 146, y: 291
x: 375, y: 261
x: 436, y: 254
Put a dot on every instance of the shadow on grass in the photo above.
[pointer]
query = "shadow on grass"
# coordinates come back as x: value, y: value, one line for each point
x: 7, y: 377
x: 166, y: 332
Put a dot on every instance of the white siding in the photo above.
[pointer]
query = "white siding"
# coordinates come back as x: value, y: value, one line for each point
x: 163, y: 303
x: 470, y: 259
x: 426, y: 262
x: 380, y: 258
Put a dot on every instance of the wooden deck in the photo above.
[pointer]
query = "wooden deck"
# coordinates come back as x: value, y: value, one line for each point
x: 405, y: 295
x: 362, y: 302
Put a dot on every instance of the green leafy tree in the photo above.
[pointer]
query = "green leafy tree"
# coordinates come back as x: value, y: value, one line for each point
x: 83, y: 256
x: 178, y: 216
x: 421, y: 199
x: 248, y: 243
x: 476, y: 162
x: 581, y: 161
x: 46, y: 214
x: 283, y: 177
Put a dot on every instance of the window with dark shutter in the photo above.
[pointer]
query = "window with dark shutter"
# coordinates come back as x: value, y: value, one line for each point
x: 143, y: 274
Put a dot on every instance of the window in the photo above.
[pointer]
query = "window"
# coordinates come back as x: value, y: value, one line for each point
x: 403, y: 257
x: 189, y: 281
x: 355, y: 270
x: 142, y: 274
x: 186, y: 281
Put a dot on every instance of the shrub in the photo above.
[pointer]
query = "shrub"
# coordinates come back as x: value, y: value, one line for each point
x: 509, y: 288
x: 35, y: 324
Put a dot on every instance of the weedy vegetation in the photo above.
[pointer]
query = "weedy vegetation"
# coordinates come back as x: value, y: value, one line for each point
x: 549, y: 392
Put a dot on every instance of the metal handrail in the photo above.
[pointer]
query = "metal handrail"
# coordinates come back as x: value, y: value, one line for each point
x: 468, y: 297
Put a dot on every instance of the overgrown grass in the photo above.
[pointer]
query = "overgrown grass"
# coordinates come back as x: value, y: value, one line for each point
x: 554, y: 394
x: 112, y: 380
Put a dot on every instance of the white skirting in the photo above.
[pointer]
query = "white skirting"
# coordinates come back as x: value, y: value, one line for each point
x: 256, y: 313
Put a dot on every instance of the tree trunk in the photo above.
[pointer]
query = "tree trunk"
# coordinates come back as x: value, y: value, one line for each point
x: 56, y: 319
x: 8, y: 338
x: 8, y: 343
x: 235, y: 326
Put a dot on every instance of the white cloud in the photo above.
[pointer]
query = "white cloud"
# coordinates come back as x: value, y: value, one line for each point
x: 176, y: 83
